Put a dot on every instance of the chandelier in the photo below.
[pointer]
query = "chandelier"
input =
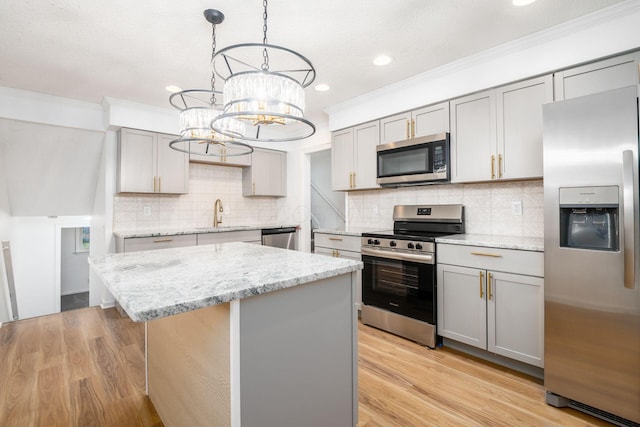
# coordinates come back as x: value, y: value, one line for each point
x: 199, y: 107
x: 264, y: 87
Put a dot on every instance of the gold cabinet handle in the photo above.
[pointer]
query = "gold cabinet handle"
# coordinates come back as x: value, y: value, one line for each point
x: 159, y: 184
x: 486, y: 254
x: 162, y: 240
x: 338, y: 239
x: 350, y: 179
x: 413, y: 128
x: 253, y: 188
x: 489, y: 279
x: 481, y: 283
x: 337, y: 253
x: 493, y: 167
x: 154, y: 183
x: 354, y: 181
x: 408, y: 129
x: 499, y: 165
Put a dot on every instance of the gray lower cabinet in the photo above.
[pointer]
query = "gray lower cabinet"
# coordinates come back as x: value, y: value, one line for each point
x: 267, y: 175
x: 146, y: 164
x: 492, y: 299
x: 247, y: 236
x: 132, y: 244
x: 600, y: 76
x: 341, y: 246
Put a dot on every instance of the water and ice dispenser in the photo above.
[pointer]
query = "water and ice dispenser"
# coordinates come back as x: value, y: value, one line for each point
x: 589, y: 218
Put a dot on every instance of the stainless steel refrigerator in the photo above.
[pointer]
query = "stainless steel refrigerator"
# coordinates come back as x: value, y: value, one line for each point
x: 592, y: 274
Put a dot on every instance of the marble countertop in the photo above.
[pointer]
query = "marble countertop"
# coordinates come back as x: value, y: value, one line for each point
x: 178, y: 231
x: 154, y: 284
x: 503, y: 242
x: 346, y: 231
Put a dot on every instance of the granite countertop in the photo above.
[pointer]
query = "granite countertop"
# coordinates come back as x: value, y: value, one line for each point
x: 346, y: 231
x: 159, y: 283
x: 178, y: 231
x: 502, y: 242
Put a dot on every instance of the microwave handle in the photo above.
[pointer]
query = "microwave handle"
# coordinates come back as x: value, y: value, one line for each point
x: 629, y: 183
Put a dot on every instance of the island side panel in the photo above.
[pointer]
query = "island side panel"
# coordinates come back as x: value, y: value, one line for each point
x: 298, y: 357
x: 188, y: 367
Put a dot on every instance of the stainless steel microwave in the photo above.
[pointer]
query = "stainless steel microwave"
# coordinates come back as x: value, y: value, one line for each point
x: 421, y: 160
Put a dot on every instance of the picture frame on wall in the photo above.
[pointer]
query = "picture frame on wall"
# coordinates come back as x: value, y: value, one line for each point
x: 83, y: 239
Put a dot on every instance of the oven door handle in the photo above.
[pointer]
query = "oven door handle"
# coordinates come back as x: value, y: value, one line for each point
x: 401, y: 256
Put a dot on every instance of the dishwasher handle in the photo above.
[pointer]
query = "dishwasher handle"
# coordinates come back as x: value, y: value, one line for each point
x: 279, y: 230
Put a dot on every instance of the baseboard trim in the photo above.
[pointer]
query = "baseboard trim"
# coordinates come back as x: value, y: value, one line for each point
x: 107, y: 304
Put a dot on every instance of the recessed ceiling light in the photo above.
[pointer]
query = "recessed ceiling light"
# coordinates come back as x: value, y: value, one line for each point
x: 522, y: 2
x: 322, y: 87
x: 173, y: 89
x: 382, y: 60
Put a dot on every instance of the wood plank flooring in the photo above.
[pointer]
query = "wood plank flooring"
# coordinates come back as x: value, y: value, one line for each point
x: 86, y: 368
x: 77, y: 368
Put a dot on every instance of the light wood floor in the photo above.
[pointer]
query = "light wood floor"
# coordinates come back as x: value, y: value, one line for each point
x: 86, y: 367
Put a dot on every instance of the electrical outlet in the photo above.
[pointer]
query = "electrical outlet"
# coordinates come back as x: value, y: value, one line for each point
x: 146, y: 211
x: 516, y: 208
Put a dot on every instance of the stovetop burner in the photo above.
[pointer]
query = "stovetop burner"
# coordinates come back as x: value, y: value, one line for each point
x: 416, y: 224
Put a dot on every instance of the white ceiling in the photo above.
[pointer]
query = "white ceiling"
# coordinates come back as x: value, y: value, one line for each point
x: 87, y: 49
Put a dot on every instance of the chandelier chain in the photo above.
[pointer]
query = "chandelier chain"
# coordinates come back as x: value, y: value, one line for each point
x: 213, y: 74
x: 265, y: 54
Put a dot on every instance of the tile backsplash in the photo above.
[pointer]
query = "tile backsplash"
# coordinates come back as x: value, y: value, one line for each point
x: 488, y: 206
x: 195, y: 209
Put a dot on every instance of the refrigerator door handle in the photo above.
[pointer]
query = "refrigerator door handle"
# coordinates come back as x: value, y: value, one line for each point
x: 628, y: 200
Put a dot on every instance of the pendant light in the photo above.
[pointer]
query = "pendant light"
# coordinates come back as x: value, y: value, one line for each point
x: 264, y: 87
x: 199, y: 107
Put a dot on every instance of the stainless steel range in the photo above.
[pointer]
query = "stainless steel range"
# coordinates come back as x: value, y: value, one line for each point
x: 399, y: 276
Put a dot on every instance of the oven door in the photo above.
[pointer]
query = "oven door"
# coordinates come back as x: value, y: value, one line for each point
x: 401, y: 285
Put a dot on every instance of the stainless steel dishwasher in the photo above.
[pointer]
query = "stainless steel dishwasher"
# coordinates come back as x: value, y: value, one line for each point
x: 281, y: 237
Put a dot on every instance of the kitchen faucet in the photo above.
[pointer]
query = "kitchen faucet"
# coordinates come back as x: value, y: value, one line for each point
x: 217, y: 207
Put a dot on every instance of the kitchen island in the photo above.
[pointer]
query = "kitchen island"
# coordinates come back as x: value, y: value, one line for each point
x: 240, y: 334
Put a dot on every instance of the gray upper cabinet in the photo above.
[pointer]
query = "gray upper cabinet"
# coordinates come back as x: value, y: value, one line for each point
x: 600, y: 76
x: 519, y: 130
x: 473, y: 137
x: 146, y: 164
x: 267, y: 175
x: 230, y: 157
x: 354, y: 158
x: 414, y: 124
x: 497, y: 134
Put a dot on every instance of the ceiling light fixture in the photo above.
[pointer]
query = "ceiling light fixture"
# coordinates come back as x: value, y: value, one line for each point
x: 382, y: 60
x: 522, y: 2
x: 264, y: 86
x: 198, y: 107
x: 322, y: 87
x: 173, y: 89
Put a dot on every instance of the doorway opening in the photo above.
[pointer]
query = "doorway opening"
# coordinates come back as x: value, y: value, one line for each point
x: 75, y: 243
x: 327, y: 206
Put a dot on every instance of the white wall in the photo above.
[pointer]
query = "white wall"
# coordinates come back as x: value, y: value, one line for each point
x: 74, y: 268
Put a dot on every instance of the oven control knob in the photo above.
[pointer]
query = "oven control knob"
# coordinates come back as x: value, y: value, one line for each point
x: 410, y: 245
x: 392, y: 244
x: 370, y: 242
x: 418, y: 246
x: 376, y: 242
